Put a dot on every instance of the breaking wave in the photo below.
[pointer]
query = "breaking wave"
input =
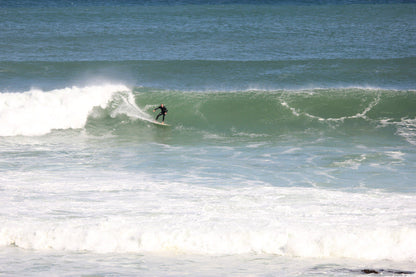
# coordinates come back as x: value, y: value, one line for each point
x: 38, y: 112
x: 257, y: 112
x: 264, y: 220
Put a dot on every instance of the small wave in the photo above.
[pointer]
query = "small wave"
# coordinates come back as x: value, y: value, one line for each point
x: 120, y: 235
x: 184, y: 217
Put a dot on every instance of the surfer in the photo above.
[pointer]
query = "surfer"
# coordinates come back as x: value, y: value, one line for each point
x: 163, y: 112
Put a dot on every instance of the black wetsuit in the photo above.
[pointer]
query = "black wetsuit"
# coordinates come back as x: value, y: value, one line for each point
x: 163, y: 112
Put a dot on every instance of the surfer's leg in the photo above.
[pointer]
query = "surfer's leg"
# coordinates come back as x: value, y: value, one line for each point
x: 157, y: 117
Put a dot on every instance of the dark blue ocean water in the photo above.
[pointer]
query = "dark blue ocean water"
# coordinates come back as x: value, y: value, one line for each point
x: 216, y: 46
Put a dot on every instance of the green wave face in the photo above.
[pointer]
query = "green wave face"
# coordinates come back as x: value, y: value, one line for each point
x: 266, y: 115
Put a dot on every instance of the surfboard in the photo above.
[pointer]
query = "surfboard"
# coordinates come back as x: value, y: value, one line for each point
x: 155, y: 122
x: 160, y: 123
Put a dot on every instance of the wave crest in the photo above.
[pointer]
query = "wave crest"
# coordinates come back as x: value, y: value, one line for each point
x: 37, y: 112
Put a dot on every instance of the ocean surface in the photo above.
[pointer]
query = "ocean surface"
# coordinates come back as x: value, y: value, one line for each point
x: 291, y: 149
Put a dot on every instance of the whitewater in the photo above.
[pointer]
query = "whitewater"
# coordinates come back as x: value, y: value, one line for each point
x: 91, y: 182
x: 290, y: 149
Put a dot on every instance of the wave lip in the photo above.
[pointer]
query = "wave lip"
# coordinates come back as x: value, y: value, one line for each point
x: 36, y: 112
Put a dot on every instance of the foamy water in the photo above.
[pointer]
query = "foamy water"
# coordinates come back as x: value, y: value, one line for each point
x: 120, y: 213
x: 100, y: 179
x: 38, y: 112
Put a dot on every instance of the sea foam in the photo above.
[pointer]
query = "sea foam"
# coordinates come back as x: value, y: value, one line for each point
x: 37, y: 112
x: 187, y: 219
x: 121, y: 235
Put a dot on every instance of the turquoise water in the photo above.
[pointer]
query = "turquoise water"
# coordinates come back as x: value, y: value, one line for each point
x: 290, y: 150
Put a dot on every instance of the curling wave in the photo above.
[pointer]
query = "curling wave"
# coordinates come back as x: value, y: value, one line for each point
x: 38, y: 112
x: 336, y: 111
